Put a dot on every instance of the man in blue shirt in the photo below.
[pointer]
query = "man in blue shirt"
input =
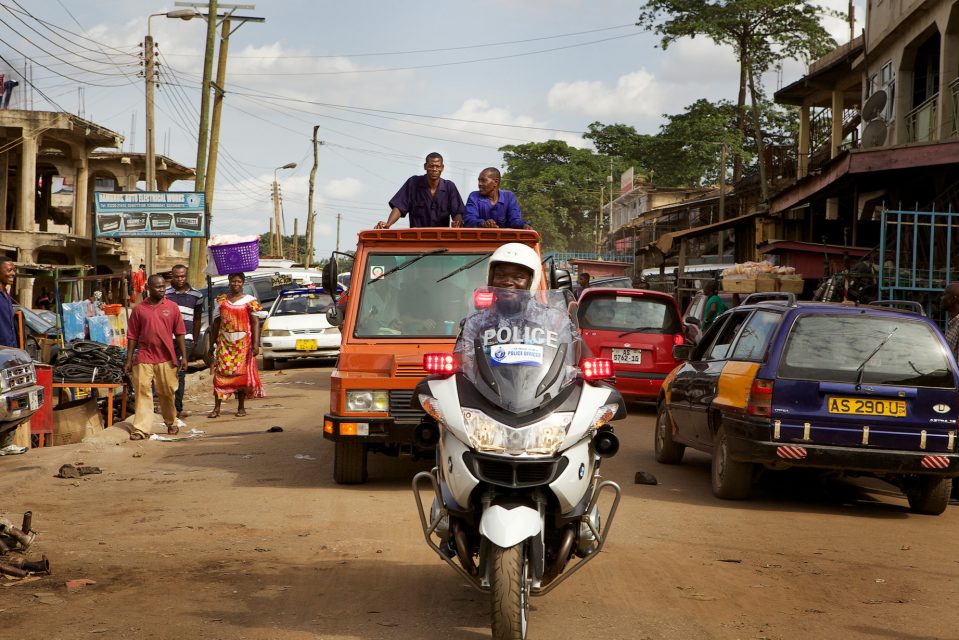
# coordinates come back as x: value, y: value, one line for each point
x: 8, y: 338
x: 429, y: 200
x: 491, y: 206
x: 190, y: 302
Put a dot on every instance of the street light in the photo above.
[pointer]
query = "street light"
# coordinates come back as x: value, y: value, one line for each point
x: 276, y: 208
x: 150, y: 77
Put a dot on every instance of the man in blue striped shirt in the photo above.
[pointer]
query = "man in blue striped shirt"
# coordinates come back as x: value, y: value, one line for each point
x: 190, y: 302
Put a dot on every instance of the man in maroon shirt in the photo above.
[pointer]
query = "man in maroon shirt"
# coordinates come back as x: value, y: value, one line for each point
x: 150, y: 332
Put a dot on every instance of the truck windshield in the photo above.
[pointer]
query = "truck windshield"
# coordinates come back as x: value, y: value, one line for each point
x: 416, y: 301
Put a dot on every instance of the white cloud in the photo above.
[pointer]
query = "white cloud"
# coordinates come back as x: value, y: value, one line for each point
x: 636, y: 95
x: 343, y: 188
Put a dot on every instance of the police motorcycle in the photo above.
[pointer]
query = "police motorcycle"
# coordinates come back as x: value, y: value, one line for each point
x: 521, y: 427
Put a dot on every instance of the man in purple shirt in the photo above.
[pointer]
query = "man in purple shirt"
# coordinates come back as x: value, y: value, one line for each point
x: 429, y: 200
x: 491, y: 206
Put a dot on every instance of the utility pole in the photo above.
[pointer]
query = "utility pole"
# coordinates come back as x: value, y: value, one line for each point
x: 310, y: 215
x: 296, y: 244
x: 599, y: 217
x: 278, y: 239
x: 198, y: 245
x: 217, y: 109
x: 272, y: 239
x: 151, y: 163
x: 338, y: 216
x: 721, y: 249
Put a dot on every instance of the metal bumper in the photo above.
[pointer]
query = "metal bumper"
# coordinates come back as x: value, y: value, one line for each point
x: 15, y: 406
x: 385, y: 430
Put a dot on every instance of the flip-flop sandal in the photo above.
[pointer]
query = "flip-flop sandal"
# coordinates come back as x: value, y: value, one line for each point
x: 240, y: 414
x: 213, y: 414
x: 172, y: 430
x: 137, y: 435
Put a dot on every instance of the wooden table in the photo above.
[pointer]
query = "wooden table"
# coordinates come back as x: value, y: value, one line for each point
x: 109, y: 386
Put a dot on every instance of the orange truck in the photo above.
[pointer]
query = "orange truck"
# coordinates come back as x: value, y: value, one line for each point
x: 410, y: 288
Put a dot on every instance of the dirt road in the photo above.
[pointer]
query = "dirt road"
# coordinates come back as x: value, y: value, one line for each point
x: 242, y: 534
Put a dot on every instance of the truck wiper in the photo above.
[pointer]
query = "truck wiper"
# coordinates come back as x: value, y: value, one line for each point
x: 470, y: 265
x: 400, y: 267
x: 862, y: 368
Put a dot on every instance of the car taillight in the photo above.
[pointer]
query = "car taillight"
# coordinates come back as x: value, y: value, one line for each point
x: 760, y: 400
x: 439, y: 363
x: 679, y: 339
x: 596, y: 368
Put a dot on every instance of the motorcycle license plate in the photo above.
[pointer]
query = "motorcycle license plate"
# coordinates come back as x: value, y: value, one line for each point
x: 306, y: 345
x: 627, y: 356
x: 34, y: 400
x: 866, y: 407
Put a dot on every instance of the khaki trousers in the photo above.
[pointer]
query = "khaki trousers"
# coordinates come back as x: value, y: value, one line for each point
x: 164, y: 376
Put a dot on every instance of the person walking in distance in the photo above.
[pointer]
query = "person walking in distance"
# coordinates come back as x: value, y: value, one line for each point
x: 235, y: 343
x: 429, y: 200
x: 950, y: 303
x: 190, y: 303
x: 150, y: 335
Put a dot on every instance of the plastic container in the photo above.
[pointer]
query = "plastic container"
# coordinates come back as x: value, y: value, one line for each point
x: 112, y: 309
x: 236, y: 258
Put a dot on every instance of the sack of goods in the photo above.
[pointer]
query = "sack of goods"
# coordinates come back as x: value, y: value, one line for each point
x: 226, y: 254
x: 750, y: 277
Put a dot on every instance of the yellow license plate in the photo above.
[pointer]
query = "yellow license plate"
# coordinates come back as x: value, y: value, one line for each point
x: 306, y: 345
x: 866, y: 406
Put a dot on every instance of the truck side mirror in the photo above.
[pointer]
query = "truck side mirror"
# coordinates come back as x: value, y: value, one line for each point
x: 329, y: 278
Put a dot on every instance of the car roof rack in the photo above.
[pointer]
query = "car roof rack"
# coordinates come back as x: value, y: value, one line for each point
x: 909, y: 306
x: 775, y: 297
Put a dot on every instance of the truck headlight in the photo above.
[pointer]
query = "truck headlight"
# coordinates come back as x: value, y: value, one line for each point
x: 367, y: 401
x: 540, y: 438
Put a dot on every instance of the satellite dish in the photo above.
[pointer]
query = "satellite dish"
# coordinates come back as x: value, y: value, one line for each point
x: 874, y: 105
x: 874, y: 134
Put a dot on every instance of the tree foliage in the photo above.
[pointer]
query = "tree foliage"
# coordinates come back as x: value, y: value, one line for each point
x: 761, y: 33
x: 559, y: 189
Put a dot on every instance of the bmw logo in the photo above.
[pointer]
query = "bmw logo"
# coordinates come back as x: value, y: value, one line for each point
x: 449, y: 464
x: 582, y: 471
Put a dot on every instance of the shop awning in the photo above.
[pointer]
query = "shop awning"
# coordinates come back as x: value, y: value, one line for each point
x: 666, y: 241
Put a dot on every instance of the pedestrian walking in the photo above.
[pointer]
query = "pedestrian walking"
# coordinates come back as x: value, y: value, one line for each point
x: 190, y: 303
x: 150, y: 336
x: 715, y: 306
x: 235, y: 340
x: 8, y: 338
x: 429, y: 200
x: 491, y: 206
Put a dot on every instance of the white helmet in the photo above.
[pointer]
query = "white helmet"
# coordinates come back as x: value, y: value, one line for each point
x: 520, y: 254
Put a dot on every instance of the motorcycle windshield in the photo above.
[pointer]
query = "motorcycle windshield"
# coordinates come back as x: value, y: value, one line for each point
x: 518, y: 347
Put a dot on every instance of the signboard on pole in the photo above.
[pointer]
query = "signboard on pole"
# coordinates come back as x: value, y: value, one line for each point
x: 150, y: 214
x: 626, y: 181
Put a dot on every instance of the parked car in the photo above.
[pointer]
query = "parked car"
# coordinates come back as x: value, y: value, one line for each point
x: 635, y: 328
x: 296, y: 327
x: 849, y: 390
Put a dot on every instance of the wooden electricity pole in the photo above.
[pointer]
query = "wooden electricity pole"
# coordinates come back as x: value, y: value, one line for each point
x: 338, y: 216
x: 310, y: 215
x: 296, y: 244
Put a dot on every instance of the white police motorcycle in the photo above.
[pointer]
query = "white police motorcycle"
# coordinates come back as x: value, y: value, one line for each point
x: 520, y: 432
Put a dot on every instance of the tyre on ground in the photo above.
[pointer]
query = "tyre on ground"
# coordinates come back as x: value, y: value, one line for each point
x: 731, y: 478
x: 929, y: 495
x: 667, y: 450
x: 349, y: 462
x: 509, y: 592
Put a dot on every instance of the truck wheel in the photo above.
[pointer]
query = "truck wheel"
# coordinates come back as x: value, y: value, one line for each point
x: 929, y: 494
x: 731, y: 479
x: 349, y: 462
x: 269, y: 364
x: 509, y: 592
x: 667, y: 450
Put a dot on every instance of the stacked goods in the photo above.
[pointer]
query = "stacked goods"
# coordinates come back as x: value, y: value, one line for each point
x: 749, y: 277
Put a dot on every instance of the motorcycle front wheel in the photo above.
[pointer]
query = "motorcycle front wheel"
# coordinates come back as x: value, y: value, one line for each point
x: 509, y: 592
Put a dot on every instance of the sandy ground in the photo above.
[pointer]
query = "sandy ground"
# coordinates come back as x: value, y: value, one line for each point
x: 242, y: 534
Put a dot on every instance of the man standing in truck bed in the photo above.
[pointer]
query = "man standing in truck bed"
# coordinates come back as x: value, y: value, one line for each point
x: 429, y: 200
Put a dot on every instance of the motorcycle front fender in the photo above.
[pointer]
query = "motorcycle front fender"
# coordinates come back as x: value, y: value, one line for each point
x: 506, y: 527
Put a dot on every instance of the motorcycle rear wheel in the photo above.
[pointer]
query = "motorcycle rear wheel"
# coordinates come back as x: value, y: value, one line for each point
x: 509, y: 592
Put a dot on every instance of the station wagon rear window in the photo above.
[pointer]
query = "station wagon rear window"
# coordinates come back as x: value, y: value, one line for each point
x: 887, y: 350
x: 628, y: 313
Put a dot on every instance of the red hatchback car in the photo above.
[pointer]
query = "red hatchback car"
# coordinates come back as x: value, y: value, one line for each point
x: 636, y: 329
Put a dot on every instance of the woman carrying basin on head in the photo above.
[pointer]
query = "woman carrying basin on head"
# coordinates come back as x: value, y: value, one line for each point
x: 235, y: 343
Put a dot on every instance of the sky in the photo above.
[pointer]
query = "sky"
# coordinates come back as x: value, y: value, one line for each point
x: 387, y: 82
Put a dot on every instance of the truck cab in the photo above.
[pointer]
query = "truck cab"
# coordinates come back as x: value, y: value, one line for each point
x: 410, y: 289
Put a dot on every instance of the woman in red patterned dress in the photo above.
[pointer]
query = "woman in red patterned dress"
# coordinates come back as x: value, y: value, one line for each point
x: 235, y: 344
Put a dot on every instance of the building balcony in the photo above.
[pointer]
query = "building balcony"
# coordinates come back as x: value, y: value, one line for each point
x: 921, y: 121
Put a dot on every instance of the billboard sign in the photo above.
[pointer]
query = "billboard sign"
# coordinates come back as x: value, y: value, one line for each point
x: 626, y: 181
x: 150, y: 214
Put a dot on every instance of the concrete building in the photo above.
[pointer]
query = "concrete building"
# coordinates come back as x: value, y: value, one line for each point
x: 41, y: 224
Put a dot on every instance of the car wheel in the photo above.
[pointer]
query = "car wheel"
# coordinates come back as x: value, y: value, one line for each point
x: 269, y: 364
x: 731, y: 479
x: 667, y: 450
x: 929, y: 494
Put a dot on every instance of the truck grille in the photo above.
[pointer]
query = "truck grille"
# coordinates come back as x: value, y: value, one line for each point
x: 411, y: 370
x: 19, y: 376
x: 401, y: 410
x: 516, y: 473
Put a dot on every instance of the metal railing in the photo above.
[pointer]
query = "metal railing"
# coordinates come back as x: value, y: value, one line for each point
x: 921, y: 121
x: 954, y: 92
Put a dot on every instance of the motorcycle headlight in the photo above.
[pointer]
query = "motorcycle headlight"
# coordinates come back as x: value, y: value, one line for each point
x: 367, y: 401
x: 541, y: 438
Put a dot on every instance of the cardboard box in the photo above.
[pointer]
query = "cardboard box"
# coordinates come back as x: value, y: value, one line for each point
x: 738, y: 284
x: 791, y: 284
x: 73, y: 421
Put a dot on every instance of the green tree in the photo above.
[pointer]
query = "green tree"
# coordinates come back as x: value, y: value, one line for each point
x: 558, y: 187
x: 266, y: 242
x: 761, y: 32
